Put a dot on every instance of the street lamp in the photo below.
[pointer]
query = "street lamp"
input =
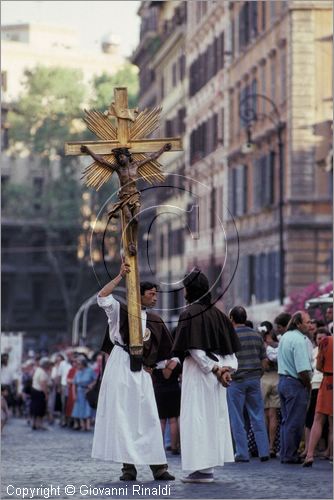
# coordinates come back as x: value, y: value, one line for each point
x: 249, y: 115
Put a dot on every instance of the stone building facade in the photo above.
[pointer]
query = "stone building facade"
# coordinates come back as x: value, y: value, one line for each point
x: 280, y: 53
x: 161, y: 59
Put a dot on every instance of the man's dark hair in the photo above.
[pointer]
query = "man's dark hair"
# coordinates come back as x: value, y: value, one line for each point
x: 296, y: 319
x: 121, y: 151
x: 239, y: 315
x: 282, y: 319
x: 197, y: 287
x: 147, y: 285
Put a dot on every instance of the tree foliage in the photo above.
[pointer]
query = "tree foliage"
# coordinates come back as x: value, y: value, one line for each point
x: 127, y: 76
x: 44, y: 115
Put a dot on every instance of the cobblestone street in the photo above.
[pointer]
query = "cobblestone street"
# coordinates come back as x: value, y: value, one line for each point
x: 58, y: 457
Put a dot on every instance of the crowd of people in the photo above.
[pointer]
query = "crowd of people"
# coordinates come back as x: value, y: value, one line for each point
x: 263, y: 390
x: 48, y: 390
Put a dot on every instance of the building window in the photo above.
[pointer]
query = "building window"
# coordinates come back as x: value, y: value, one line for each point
x: 273, y: 78
x: 263, y: 87
x: 253, y: 13
x: 272, y: 4
x: 233, y: 37
x: 198, y: 12
x: 221, y: 59
x: 238, y: 190
x: 221, y: 137
x: 182, y: 66
x: 244, y: 104
x: 263, y: 14
x: 283, y: 75
x: 263, y: 181
x: 254, y: 94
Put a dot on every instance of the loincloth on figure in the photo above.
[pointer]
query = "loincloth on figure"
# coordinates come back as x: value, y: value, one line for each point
x: 132, y: 200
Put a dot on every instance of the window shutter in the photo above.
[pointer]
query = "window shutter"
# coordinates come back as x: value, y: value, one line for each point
x: 257, y: 186
x: 257, y: 272
x: 245, y: 280
x: 277, y: 274
x: 253, y: 19
x: 272, y: 157
x: 222, y: 51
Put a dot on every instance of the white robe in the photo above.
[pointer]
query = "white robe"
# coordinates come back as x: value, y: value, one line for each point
x: 127, y: 425
x: 205, y: 432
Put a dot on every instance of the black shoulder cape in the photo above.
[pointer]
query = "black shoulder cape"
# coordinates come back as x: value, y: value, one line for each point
x: 205, y: 327
x: 157, y: 348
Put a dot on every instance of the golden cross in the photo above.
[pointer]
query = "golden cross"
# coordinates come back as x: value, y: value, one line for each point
x: 131, y: 128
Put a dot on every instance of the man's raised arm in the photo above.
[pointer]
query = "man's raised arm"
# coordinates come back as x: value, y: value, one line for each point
x: 109, y: 287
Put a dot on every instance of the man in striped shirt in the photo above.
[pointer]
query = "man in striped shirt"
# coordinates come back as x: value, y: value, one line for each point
x: 245, y: 389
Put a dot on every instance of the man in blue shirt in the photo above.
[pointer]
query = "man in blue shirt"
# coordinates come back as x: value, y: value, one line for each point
x: 294, y: 368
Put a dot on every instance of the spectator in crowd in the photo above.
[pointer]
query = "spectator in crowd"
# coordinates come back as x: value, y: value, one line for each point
x: 329, y: 318
x: 97, y: 360
x: 54, y: 402
x: 127, y: 426
x: 317, y: 377
x: 245, y: 389
x: 206, y: 338
x: 82, y: 382
x: 294, y: 368
x: 4, y: 407
x: 269, y: 385
x: 324, y: 406
x: 168, y: 397
x: 39, y: 394
x: 28, y: 369
x: 281, y: 324
x: 64, y: 368
x: 312, y: 333
x: 71, y: 395
x: 9, y: 379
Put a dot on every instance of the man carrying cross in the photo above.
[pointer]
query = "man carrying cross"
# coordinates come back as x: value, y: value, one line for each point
x: 129, y: 196
x: 127, y: 426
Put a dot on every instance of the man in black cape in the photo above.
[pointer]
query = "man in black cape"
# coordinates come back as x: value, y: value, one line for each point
x: 206, y: 337
x: 127, y: 427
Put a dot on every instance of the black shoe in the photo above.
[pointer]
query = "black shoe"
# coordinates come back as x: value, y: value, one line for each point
x: 165, y: 476
x: 126, y: 476
x: 264, y: 459
x: 272, y: 454
x: 297, y: 461
x: 241, y: 460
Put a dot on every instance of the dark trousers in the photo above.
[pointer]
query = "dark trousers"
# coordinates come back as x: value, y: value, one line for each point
x: 294, y: 399
x: 157, y: 470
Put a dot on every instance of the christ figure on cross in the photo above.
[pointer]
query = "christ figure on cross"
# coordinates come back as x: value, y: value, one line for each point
x: 128, y: 194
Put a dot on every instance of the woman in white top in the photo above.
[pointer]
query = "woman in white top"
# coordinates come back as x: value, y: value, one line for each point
x: 39, y: 394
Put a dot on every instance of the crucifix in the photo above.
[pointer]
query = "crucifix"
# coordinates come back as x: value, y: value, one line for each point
x: 121, y: 149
